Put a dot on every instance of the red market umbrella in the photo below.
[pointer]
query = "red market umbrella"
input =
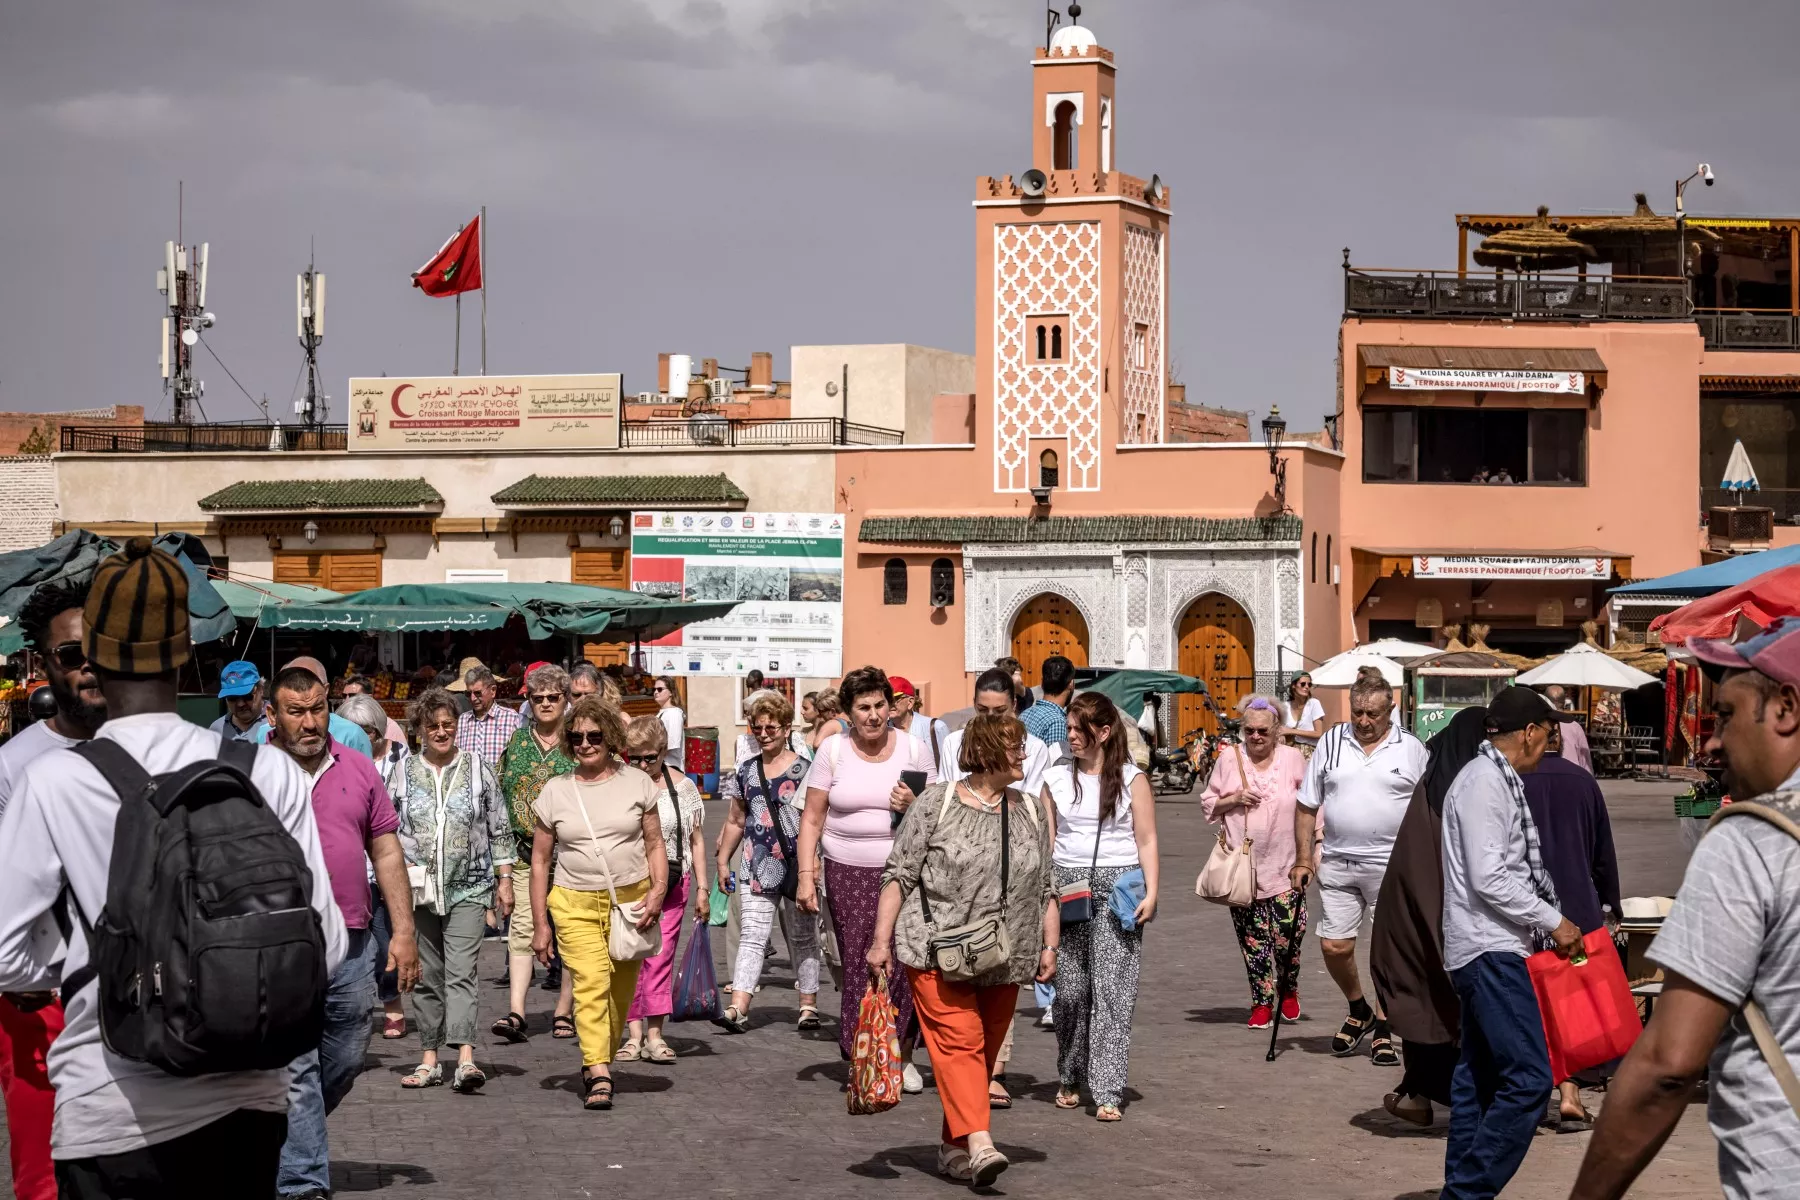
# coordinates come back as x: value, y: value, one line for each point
x: 1760, y: 601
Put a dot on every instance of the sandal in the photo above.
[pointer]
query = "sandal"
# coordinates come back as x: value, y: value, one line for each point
x: 1001, y: 1098
x: 1108, y: 1113
x: 424, y: 1076
x: 657, y: 1051
x: 1382, y: 1052
x: 631, y: 1051
x: 1577, y: 1124
x: 1067, y: 1099
x: 393, y: 1025
x: 953, y: 1163
x: 809, y: 1017
x: 511, y: 1027
x: 595, y: 1099
x: 468, y: 1079
x: 986, y: 1165
x: 563, y: 1027
x: 1350, y: 1035
x: 732, y: 1021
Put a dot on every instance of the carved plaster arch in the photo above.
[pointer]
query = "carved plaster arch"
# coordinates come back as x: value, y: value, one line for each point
x: 1031, y: 590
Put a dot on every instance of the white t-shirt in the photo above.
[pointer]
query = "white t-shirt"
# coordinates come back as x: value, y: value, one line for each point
x: 58, y: 832
x: 1364, y: 796
x: 1077, y: 817
x: 1039, y: 754
x: 676, y: 724
x: 25, y: 746
x: 1311, y: 713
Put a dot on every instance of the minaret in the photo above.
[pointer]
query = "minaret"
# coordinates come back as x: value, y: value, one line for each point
x: 1071, y: 285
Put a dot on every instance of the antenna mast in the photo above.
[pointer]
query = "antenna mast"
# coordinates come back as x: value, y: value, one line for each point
x: 310, y: 326
x: 182, y: 278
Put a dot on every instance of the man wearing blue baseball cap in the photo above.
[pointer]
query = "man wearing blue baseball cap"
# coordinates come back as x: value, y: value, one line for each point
x: 1729, y: 950
x: 241, y: 687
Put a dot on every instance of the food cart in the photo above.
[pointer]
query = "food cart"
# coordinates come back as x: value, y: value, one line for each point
x: 1443, y: 684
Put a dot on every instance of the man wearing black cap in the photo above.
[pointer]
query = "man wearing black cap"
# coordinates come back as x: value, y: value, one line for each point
x: 1499, y: 905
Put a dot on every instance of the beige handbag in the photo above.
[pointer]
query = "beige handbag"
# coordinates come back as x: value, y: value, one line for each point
x: 1229, y: 876
x: 964, y: 952
x: 625, y: 942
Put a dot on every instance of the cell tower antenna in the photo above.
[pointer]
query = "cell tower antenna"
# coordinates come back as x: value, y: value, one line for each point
x: 309, y: 325
x: 182, y: 279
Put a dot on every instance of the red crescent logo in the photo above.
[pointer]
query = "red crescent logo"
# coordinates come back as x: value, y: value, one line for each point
x: 394, y: 401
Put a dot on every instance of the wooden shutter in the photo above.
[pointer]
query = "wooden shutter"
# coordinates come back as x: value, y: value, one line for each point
x: 604, y: 566
x: 338, y: 570
x: 297, y: 567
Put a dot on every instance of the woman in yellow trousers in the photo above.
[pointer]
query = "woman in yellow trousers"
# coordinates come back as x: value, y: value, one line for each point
x: 601, y: 827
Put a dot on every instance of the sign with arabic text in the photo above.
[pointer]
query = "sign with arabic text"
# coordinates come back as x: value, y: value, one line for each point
x: 1503, y: 566
x: 1434, y: 379
x: 786, y: 570
x: 486, y: 412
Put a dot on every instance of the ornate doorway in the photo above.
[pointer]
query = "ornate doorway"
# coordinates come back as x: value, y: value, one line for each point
x: 1048, y: 624
x: 1215, y: 641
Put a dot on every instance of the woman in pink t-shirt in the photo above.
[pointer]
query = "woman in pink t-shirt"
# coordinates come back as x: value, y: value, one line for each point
x: 854, y: 798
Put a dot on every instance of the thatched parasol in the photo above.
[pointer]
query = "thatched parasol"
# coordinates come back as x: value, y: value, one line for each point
x: 1612, y: 238
x: 1536, y: 247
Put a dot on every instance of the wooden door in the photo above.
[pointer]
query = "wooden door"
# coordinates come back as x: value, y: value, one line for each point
x: 1215, y: 640
x: 602, y: 566
x: 1049, y: 624
x: 338, y: 570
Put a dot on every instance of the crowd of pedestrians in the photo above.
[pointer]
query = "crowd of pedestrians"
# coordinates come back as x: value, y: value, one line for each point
x: 947, y: 861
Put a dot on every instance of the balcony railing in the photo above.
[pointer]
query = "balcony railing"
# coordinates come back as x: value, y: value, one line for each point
x: 1371, y: 293
x: 1785, y: 502
x: 700, y: 431
x: 1749, y: 329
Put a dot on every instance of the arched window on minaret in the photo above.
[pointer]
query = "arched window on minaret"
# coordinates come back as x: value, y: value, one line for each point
x: 1056, y: 346
x: 1043, y: 352
x: 1066, y: 154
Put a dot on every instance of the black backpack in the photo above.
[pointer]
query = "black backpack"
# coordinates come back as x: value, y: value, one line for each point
x: 208, y: 953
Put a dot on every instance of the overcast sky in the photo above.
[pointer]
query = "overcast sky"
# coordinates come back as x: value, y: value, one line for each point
x: 722, y: 176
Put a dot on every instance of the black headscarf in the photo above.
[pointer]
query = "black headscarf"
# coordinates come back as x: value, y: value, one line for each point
x: 1451, y: 749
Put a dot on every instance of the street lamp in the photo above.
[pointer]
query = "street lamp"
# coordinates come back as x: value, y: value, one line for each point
x: 1704, y: 173
x: 1274, y: 427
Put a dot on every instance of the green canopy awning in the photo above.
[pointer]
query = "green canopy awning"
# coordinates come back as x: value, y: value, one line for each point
x: 1127, y: 689
x: 246, y: 598
x: 547, y: 609
x: 72, y: 558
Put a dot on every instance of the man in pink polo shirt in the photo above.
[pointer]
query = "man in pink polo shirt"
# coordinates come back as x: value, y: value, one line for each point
x: 357, y: 822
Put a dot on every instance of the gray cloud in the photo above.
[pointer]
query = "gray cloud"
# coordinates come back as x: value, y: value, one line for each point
x: 748, y: 174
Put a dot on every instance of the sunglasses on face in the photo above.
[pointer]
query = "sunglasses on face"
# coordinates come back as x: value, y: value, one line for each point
x: 587, y: 737
x: 767, y: 730
x: 546, y: 697
x: 659, y: 688
x: 69, y: 655
x: 1258, y: 733
x: 643, y: 759
x: 441, y: 727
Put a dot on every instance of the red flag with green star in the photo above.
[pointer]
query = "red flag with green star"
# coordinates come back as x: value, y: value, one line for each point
x: 455, y: 268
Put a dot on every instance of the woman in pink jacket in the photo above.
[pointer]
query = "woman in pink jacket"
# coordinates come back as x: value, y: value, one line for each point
x: 1252, y: 791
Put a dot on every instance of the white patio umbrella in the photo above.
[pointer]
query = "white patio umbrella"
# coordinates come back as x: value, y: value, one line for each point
x: 1586, y: 666
x: 1340, y: 670
x: 1398, y: 650
x: 1740, y: 476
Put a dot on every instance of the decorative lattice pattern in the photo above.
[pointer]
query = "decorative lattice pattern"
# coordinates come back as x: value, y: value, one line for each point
x: 1047, y: 269
x: 1143, y: 306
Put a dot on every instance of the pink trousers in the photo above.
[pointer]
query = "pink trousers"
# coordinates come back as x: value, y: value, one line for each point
x: 655, y: 995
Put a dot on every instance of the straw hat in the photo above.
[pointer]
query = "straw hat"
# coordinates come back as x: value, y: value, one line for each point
x: 462, y: 670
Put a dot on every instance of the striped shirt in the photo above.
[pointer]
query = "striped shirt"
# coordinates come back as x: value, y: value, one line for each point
x: 487, y: 736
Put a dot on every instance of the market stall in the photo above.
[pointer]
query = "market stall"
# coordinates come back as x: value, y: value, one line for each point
x: 1450, y: 681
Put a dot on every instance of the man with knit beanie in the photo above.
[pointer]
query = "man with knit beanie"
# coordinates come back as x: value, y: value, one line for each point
x: 123, y: 1127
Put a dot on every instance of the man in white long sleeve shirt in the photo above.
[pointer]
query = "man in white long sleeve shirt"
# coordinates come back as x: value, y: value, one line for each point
x: 1498, y: 901
x: 118, y: 1119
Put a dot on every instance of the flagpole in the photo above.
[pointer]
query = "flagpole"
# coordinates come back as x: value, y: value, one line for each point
x: 481, y: 249
x: 456, y: 354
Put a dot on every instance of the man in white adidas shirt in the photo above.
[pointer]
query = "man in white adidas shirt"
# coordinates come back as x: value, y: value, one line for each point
x: 124, y: 1127
x: 1359, y: 781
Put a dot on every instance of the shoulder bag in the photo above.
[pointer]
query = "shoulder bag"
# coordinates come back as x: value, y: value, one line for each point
x: 1754, y: 1017
x: 625, y: 942
x: 789, y: 843
x: 963, y: 952
x: 680, y: 838
x: 1229, y: 876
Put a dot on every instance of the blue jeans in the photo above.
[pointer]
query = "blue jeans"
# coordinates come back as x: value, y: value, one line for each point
x: 381, y: 926
x: 1502, y: 1082
x: 320, y: 1079
x: 1044, y: 993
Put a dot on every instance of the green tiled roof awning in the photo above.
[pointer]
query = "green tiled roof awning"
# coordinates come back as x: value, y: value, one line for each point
x: 958, y: 530
x: 622, y: 491
x: 325, y: 495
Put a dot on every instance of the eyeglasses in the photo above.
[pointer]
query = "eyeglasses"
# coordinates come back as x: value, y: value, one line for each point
x: 587, y: 737
x: 69, y: 655
x: 1258, y: 733
x: 643, y: 759
x: 441, y: 727
x: 768, y: 730
x: 546, y: 697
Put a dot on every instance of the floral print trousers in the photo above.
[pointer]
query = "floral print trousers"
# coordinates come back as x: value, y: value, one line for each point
x: 1269, y: 933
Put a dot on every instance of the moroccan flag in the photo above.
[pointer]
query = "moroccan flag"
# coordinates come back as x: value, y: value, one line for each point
x: 456, y: 267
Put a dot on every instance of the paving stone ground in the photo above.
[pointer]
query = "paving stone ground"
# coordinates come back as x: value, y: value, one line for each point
x: 763, y: 1115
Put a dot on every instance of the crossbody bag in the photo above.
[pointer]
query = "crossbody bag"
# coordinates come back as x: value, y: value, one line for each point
x: 1075, y: 899
x: 625, y: 942
x: 963, y: 952
x: 789, y: 843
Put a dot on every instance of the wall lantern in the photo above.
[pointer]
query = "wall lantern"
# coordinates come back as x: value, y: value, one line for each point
x: 616, y: 527
x: 311, y: 530
x: 1274, y: 428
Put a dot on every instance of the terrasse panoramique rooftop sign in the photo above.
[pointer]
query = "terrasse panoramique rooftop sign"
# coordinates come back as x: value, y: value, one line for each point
x: 488, y: 412
x: 1434, y: 379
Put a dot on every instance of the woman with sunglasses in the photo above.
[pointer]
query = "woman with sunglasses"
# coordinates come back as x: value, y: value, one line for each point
x: 458, y: 844
x: 679, y: 813
x: 1105, y: 830
x: 600, y: 823
x: 668, y: 711
x: 1301, y: 713
x: 1252, y: 792
x: 765, y: 816
x: 533, y: 757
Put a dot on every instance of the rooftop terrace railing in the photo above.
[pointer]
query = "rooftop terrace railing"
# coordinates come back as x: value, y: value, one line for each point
x: 1373, y: 292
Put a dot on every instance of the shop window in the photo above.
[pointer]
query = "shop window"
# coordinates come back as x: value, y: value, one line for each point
x: 1048, y: 469
x: 893, y: 582
x: 1047, y: 339
x: 943, y: 582
x: 1544, y: 447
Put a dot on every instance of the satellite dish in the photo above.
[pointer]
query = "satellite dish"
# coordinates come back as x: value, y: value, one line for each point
x: 1033, y: 183
x: 1154, y: 190
x: 189, y: 337
x: 708, y: 429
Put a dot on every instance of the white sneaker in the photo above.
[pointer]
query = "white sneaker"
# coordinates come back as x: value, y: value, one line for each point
x: 1047, y: 1020
x: 911, y: 1082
